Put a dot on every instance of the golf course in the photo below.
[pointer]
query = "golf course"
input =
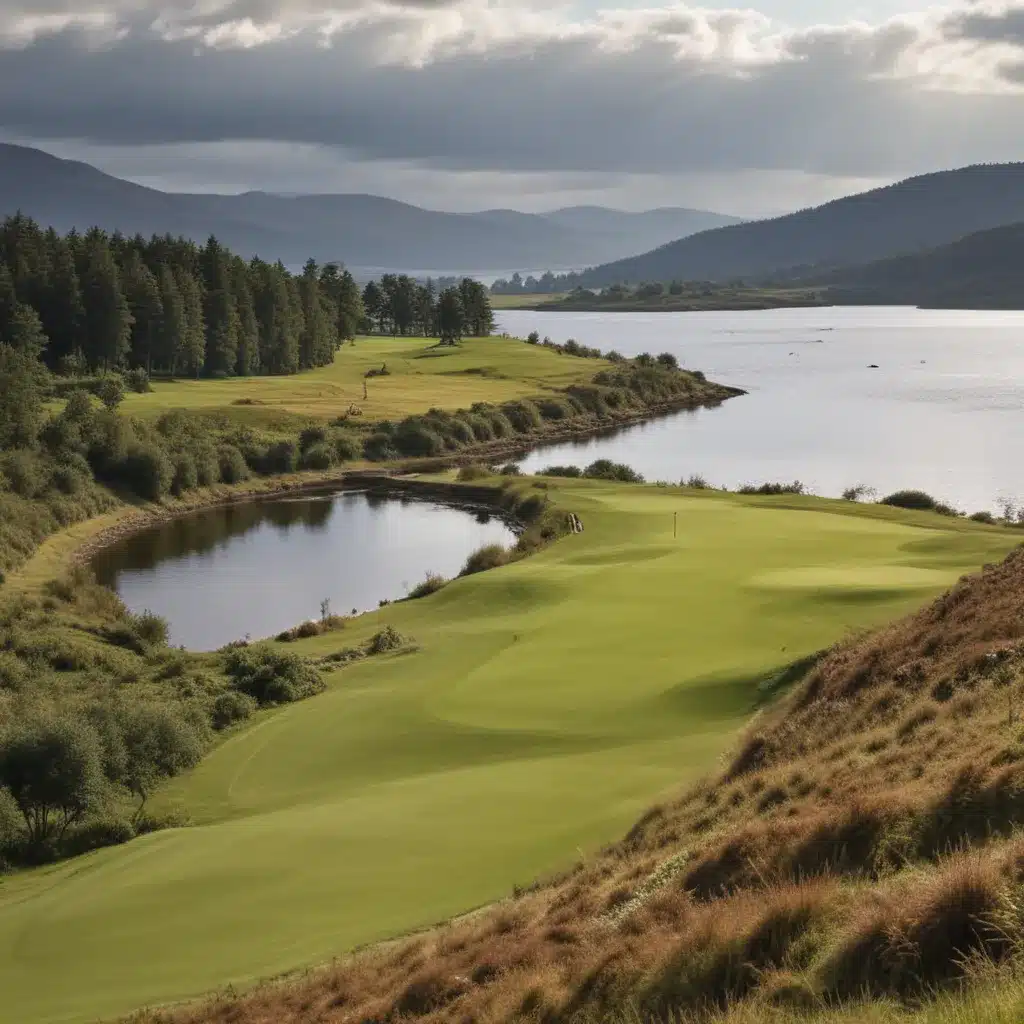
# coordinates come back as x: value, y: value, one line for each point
x: 538, y: 710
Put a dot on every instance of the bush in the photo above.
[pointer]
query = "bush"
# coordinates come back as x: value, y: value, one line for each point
x: 388, y: 639
x: 151, y: 627
x: 110, y: 391
x: 231, y: 465
x: 346, y: 447
x: 71, y: 476
x: 491, y: 556
x: 605, y: 469
x: 25, y: 473
x: 147, y: 471
x: 430, y: 585
x: 856, y: 493
x: 282, y: 457
x: 910, y: 499
x: 186, y: 475
x: 983, y: 517
x: 318, y: 456
x: 474, y: 471
x: 696, y: 483
x: 667, y: 361
x: 231, y: 707
x: 378, y: 447
x: 533, y: 338
x: 95, y: 835
x: 511, y: 469
x: 312, y: 435
x: 523, y: 415
x: 137, y: 380
x: 555, y: 409
x: 270, y: 676
x: 773, y: 488
x: 413, y: 437
x: 566, y: 471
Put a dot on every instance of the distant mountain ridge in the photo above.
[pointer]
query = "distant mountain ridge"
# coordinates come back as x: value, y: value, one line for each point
x: 914, y: 215
x: 360, y: 230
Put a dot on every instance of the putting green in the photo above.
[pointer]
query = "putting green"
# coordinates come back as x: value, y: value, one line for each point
x: 549, y: 704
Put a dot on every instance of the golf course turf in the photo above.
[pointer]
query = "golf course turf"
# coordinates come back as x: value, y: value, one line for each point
x: 547, y: 704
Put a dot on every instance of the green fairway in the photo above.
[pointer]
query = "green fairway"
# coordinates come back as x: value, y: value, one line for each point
x: 421, y: 376
x: 550, y: 702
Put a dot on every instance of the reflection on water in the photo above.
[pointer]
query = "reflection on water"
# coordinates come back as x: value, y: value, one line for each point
x: 260, y: 567
x: 942, y: 411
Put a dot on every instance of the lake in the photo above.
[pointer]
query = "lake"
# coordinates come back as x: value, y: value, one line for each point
x: 943, y: 411
x: 264, y: 566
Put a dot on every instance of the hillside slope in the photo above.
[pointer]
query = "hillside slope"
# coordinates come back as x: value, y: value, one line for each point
x: 985, y: 270
x: 363, y: 231
x: 860, y: 845
x: 915, y: 214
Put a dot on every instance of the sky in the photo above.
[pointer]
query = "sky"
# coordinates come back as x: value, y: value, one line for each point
x: 474, y: 104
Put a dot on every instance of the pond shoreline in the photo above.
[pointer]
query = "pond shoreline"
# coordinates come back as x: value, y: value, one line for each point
x: 399, y: 476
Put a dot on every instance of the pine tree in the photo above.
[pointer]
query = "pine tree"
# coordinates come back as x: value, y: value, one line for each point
x: 170, y: 336
x: 191, y: 350
x: 220, y: 311
x: 450, y: 316
x: 62, y: 314
x: 25, y: 332
x: 248, y: 358
x: 108, y: 321
x: 316, y: 347
x: 143, y: 295
x: 8, y: 299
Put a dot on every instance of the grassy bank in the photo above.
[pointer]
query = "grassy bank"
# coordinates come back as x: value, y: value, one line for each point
x: 538, y: 709
x: 421, y: 376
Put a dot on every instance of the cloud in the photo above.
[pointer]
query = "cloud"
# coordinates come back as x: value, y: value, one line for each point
x: 504, y: 88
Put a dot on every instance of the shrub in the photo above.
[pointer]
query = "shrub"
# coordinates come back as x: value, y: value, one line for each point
x: 523, y: 415
x: 983, y: 517
x: 388, y: 639
x: 644, y: 359
x: 555, y: 409
x: 533, y: 338
x: 147, y: 471
x: 413, y: 437
x: 318, y: 456
x: 25, y: 473
x: 378, y: 447
x: 282, y: 457
x: 474, y: 471
x: 151, y: 627
x: 667, y: 361
x: 432, y: 583
x: 229, y: 708
x: 312, y: 435
x: 491, y: 556
x: 231, y: 465
x: 857, y: 493
x: 796, y: 487
x: 270, y: 676
x: 346, y: 447
x: 185, y: 476
x: 566, y: 471
x: 511, y: 469
x: 95, y: 835
x: 696, y: 483
x: 110, y: 391
x: 137, y: 380
x: 605, y: 469
x: 910, y: 499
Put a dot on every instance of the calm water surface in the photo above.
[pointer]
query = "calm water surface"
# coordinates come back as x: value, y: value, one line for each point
x: 261, y: 567
x: 944, y: 411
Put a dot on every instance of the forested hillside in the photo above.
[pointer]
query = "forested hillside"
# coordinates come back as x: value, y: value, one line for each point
x: 982, y: 271
x: 912, y: 215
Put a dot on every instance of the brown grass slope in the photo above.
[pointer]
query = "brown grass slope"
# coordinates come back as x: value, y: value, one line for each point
x: 862, y: 843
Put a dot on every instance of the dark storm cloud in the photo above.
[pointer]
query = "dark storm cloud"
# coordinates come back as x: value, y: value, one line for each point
x: 474, y: 87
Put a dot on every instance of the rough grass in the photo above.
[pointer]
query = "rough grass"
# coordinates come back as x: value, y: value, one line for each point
x: 421, y: 376
x: 549, y: 703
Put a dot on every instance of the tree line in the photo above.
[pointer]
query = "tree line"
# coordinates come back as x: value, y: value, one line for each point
x: 96, y: 302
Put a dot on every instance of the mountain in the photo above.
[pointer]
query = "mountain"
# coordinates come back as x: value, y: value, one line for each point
x: 912, y: 215
x: 985, y: 270
x: 360, y: 230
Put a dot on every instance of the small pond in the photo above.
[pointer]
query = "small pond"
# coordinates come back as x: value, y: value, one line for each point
x: 260, y: 567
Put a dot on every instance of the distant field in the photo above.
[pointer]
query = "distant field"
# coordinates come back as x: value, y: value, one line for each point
x: 421, y: 376
x: 550, y: 702
x: 525, y: 301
